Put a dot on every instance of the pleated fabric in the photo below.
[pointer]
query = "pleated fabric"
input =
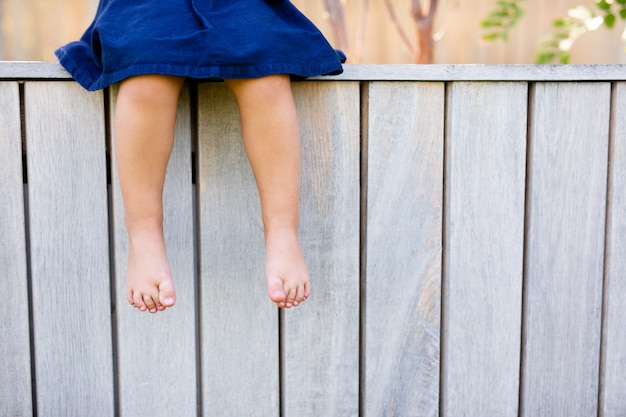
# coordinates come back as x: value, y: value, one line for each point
x: 198, y: 39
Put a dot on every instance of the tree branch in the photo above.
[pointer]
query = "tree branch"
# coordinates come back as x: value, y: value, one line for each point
x: 424, y: 30
x: 360, y: 32
x: 338, y: 23
x: 394, y: 19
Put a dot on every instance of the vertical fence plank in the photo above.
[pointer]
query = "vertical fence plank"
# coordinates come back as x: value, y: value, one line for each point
x: 405, y: 124
x: 69, y: 249
x: 15, y: 380
x: 613, y: 400
x: 320, y: 338
x: 485, y: 188
x: 483, y: 246
x: 157, y: 353
x: 239, y: 323
x: 565, y: 248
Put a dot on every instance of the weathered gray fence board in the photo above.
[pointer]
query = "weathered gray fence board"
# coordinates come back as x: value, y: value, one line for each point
x: 69, y: 250
x: 479, y: 72
x: 442, y: 298
x: 483, y: 249
x: 404, y: 129
x: 11, y: 70
x: 15, y: 381
x: 239, y: 324
x: 565, y: 248
x: 157, y: 353
x: 614, y: 348
x: 320, y: 338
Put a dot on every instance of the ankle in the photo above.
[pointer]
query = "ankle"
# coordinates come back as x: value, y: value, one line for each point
x: 141, y: 226
x: 146, y: 238
x: 281, y: 243
x: 281, y: 233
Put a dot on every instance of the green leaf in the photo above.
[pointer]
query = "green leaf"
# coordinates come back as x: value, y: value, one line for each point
x: 603, y: 4
x: 621, y: 2
x: 545, y: 58
x: 609, y: 20
x: 500, y: 21
x: 560, y: 36
x: 491, y: 36
x: 622, y: 14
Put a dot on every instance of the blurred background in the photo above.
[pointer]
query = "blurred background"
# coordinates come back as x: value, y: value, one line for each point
x: 370, y: 31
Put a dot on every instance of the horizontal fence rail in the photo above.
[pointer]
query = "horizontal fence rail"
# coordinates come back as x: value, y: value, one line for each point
x: 464, y: 226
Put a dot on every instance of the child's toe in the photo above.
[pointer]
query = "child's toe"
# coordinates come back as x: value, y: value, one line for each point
x: 130, y: 297
x: 276, y: 292
x: 167, y: 295
x: 150, y: 304
x: 299, y: 296
x: 137, y: 301
x: 290, y: 298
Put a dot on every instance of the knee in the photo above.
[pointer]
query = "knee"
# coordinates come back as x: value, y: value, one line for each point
x: 149, y: 90
x: 267, y: 90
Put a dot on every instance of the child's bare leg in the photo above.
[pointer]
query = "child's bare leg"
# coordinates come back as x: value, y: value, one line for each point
x: 145, y: 119
x: 272, y: 142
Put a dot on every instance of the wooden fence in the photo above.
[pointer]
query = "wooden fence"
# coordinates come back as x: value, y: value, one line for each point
x: 465, y: 229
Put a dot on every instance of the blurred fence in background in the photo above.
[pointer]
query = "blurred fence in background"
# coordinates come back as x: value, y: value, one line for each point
x: 33, y: 29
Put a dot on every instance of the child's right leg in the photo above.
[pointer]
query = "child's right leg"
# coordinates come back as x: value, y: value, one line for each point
x: 271, y: 138
x: 145, y: 119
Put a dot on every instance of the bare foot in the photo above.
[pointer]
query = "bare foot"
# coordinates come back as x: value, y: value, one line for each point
x: 149, y: 284
x: 286, y: 272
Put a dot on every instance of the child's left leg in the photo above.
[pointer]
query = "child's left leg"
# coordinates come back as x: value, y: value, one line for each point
x: 271, y: 138
x: 145, y: 118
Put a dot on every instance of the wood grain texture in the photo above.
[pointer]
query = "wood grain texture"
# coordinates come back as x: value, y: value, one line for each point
x: 484, y: 241
x: 405, y: 127
x: 479, y: 72
x: 246, y: 345
x: 239, y: 324
x: 613, y: 400
x: 15, y: 362
x: 320, y: 338
x: 157, y: 353
x: 12, y: 70
x: 69, y: 249
x: 565, y: 248
x: 19, y: 70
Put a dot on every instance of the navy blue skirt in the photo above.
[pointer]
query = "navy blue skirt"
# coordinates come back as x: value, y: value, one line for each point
x: 199, y: 39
